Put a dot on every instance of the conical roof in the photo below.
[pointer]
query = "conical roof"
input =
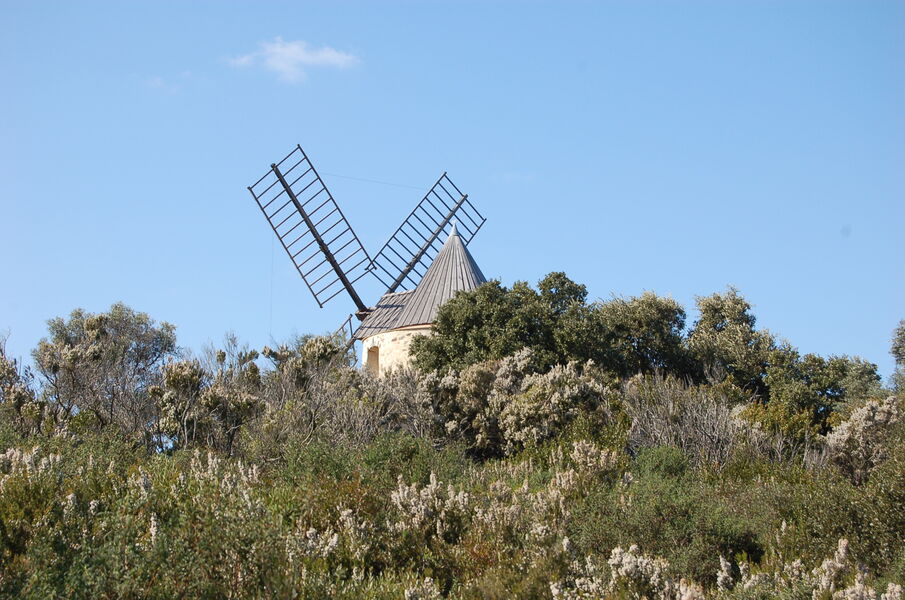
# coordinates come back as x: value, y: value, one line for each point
x: 453, y: 270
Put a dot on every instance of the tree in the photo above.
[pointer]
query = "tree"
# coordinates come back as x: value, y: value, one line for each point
x: 805, y: 392
x: 234, y: 395
x: 560, y: 293
x: 208, y: 402
x: 725, y: 341
x: 641, y: 335
x: 17, y: 395
x: 898, y: 353
x: 182, y: 419
x: 101, y: 366
x: 488, y: 323
x: 624, y: 336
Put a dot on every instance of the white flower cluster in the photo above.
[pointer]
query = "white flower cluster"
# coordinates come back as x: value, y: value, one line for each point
x: 826, y: 581
x: 311, y: 543
x: 592, y: 459
x: 356, y: 533
x: 30, y: 462
x: 320, y: 543
x: 545, y: 404
x: 433, y: 508
x: 632, y: 574
x: 589, y: 583
x: 518, y: 515
x: 858, y: 444
x: 724, y: 580
x: 526, y: 512
x: 636, y: 575
x: 643, y: 575
x: 831, y: 571
x: 423, y: 590
x: 859, y: 590
x: 231, y: 475
x: 232, y: 478
x: 141, y: 483
x: 153, y: 528
x: 502, y: 406
x: 502, y: 512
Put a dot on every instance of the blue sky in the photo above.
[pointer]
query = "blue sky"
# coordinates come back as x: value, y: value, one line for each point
x: 677, y: 147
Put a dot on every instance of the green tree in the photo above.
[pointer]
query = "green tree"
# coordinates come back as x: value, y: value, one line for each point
x: 640, y: 335
x: 182, y: 418
x: 898, y: 353
x: 805, y: 392
x: 234, y: 395
x: 560, y: 293
x: 17, y: 395
x: 624, y: 336
x: 100, y: 366
x: 488, y: 323
x: 724, y: 341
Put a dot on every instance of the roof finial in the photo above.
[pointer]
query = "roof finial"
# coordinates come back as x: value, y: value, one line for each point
x: 453, y: 231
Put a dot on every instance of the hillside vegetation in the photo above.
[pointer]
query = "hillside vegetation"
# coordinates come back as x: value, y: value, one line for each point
x: 542, y: 447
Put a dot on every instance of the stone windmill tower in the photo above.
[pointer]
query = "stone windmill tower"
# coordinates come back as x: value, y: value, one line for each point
x: 387, y: 331
x: 419, y: 272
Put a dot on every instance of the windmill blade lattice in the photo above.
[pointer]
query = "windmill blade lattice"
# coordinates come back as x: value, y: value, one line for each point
x: 404, y: 259
x: 312, y: 228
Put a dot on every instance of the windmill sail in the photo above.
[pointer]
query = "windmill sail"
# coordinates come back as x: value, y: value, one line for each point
x: 312, y: 228
x: 404, y: 259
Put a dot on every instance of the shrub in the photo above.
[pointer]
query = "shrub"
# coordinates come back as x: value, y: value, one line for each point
x: 859, y: 444
x: 664, y: 510
x: 502, y: 407
x: 664, y: 411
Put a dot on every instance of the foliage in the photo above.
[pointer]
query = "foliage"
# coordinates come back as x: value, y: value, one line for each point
x: 664, y: 509
x: 806, y: 391
x: 641, y: 335
x: 623, y: 336
x: 528, y: 474
x: 24, y: 412
x: 489, y: 323
x: 100, y: 367
x: 898, y: 353
x: 859, y: 444
x: 798, y: 396
x: 699, y: 420
x: 501, y: 407
x: 724, y: 340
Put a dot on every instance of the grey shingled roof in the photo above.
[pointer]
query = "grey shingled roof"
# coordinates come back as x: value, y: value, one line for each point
x: 384, y: 316
x: 453, y: 270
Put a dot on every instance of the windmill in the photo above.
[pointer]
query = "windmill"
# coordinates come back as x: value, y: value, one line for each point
x: 328, y: 254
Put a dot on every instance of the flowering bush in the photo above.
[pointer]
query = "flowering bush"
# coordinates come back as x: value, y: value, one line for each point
x: 506, y: 479
x: 859, y: 443
x: 501, y: 407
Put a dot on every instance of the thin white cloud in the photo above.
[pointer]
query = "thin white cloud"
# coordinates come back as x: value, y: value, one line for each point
x: 289, y: 60
x: 169, y: 85
x: 161, y: 84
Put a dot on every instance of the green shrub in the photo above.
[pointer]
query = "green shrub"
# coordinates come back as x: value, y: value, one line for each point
x: 666, y: 511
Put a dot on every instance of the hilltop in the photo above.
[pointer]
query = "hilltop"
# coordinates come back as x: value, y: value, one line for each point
x: 540, y: 446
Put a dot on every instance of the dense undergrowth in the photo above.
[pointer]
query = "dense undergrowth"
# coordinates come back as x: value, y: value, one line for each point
x: 225, y: 477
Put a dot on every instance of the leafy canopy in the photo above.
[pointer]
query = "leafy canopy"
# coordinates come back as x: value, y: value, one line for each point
x: 645, y: 334
x: 101, y: 366
x: 624, y: 335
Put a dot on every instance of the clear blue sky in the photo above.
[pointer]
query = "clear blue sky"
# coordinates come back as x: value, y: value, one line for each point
x: 676, y: 147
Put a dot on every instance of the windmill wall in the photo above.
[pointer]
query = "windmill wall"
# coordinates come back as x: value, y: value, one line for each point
x: 389, y: 350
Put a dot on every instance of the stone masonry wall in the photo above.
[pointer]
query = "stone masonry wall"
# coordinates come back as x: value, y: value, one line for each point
x: 391, y: 348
